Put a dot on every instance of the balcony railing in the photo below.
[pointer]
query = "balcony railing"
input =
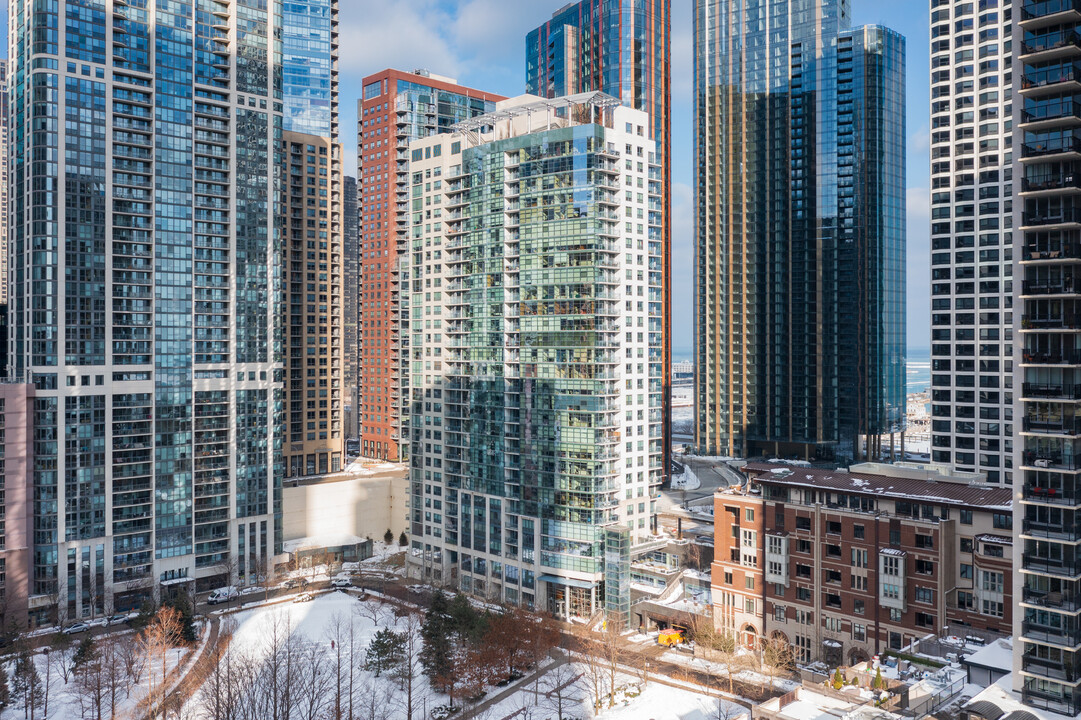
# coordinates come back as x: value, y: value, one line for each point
x: 1063, y: 392
x: 1034, y: 9
x: 1051, y: 41
x: 1056, y: 600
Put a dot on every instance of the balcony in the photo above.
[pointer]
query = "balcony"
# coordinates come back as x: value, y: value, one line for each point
x: 1051, y: 80
x: 1041, y: 13
x: 1046, y: 495
x: 1056, y: 286
x: 1065, y: 704
x: 1047, y: 668
x: 1055, y: 250
x: 1062, y: 567
x: 1051, y: 183
x: 1051, y: 392
x: 1052, y: 426
x: 1059, y: 146
x: 1051, y: 45
x: 1049, y: 115
x: 1068, y: 532
x: 1068, y: 602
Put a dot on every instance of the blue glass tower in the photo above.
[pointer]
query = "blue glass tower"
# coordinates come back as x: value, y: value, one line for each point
x: 799, y: 264
x: 146, y: 261
x: 310, y: 66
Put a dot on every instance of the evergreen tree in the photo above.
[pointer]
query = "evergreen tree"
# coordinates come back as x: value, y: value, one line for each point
x: 468, y: 623
x: 384, y: 652
x: 85, y: 653
x: 437, y: 656
x: 388, y: 537
x: 402, y: 539
x: 26, y: 684
x: 182, y: 604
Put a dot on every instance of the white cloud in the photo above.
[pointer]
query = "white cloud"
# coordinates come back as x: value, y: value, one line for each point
x: 401, y: 35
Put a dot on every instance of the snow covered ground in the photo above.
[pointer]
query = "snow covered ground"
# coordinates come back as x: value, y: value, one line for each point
x: 67, y: 702
x: 634, y: 700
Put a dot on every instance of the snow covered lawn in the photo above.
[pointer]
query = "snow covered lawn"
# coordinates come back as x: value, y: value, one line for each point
x: 634, y: 700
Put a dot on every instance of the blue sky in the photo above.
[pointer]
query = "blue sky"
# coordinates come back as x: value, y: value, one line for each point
x: 482, y: 44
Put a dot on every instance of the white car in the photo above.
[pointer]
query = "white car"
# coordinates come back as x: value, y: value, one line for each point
x: 77, y: 628
x: 303, y: 597
x: 221, y: 595
x: 341, y: 582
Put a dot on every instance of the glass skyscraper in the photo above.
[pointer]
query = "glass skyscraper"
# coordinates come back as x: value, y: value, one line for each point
x: 310, y: 66
x: 537, y: 394
x: 800, y: 241
x: 146, y: 286
x: 623, y: 49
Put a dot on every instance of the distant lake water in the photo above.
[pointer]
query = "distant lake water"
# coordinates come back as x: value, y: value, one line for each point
x: 919, y: 370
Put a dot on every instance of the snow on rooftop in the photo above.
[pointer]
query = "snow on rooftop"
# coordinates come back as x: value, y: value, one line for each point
x: 322, y: 541
x: 997, y: 655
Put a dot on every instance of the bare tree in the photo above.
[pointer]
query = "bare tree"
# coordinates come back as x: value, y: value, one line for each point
x: 410, y: 669
x: 777, y: 658
x: 88, y: 688
x: 315, y: 682
x: 338, y: 633
x: 561, y: 694
x: 163, y: 632
x: 612, y: 650
x: 114, y: 685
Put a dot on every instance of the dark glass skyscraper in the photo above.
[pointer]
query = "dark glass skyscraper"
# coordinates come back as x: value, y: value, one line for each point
x: 622, y: 49
x: 146, y: 268
x: 799, y: 266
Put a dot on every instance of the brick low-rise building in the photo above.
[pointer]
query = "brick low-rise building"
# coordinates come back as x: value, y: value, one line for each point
x: 847, y: 564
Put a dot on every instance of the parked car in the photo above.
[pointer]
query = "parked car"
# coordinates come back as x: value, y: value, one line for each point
x: 79, y: 627
x: 116, y: 620
x: 302, y: 597
x: 341, y: 582
x: 289, y: 584
x: 221, y: 595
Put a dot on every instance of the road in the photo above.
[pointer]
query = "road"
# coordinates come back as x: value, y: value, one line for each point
x: 712, y: 474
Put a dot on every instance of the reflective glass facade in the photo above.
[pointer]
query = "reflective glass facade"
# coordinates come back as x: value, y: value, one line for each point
x: 146, y: 256
x: 536, y: 421
x: 622, y: 48
x: 310, y: 66
x: 799, y: 266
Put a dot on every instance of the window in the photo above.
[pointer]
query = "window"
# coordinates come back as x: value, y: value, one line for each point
x: 803, y: 594
x: 966, y: 545
x: 925, y: 595
x: 859, y: 632
x: 857, y: 606
x: 803, y: 571
x: 780, y: 613
x: 992, y: 550
x: 891, y: 565
x: 833, y: 527
x: 965, y: 600
x: 859, y: 558
x: 924, y: 620
x: 749, y: 514
x: 966, y: 517
x: 891, y: 591
x: 778, y: 590
x: 1002, y: 521
x: 925, y: 542
x: 803, y: 523
x: 833, y: 601
x: 925, y: 567
x: 991, y: 581
x: 748, y: 606
x: 749, y: 582
x: 858, y: 532
x: 992, y: 608
x: 895, y: 615
x: 857, y: 582
x: 833, y: 551
x: 966, y: 571
x: 803, y: 546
